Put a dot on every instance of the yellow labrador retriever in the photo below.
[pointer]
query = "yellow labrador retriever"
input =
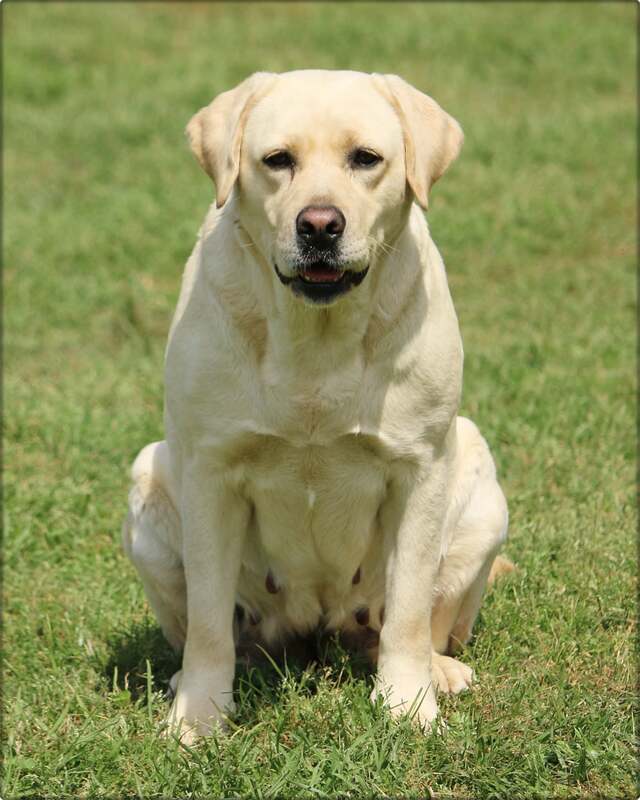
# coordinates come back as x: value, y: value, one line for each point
x: 315, y: 471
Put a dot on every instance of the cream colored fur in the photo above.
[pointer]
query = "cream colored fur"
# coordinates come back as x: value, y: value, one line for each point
x: 314, y: 464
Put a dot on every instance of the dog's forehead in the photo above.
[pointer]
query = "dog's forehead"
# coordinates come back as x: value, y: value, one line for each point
x: 323, y: 108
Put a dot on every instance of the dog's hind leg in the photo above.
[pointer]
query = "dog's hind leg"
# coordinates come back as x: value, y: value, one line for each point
x: 151, y: 538
x: 478, y: 527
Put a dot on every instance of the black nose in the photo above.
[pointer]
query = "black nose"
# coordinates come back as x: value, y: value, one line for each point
x: 320, y: 226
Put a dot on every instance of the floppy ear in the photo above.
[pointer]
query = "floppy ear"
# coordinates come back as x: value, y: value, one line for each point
x: 432, y: 138
x: 215, y: 132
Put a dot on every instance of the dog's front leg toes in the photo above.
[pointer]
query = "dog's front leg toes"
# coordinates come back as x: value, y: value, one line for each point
x: 450, y: 675
x: 200, y: 707
x: 407, y: 691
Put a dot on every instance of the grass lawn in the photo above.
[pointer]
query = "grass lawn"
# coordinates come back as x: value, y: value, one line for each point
x: 536, y: 223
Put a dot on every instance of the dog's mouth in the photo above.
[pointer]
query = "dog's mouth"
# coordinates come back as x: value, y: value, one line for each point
x: 321, y: 282
x: 319, y: 273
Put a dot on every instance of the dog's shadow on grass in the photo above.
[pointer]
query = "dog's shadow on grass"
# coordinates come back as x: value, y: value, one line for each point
x: 300, y: 668
x: 141, y: 660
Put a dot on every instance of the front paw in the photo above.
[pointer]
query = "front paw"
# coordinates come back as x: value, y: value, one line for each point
x: 408, y: 692
x: 201, y: 706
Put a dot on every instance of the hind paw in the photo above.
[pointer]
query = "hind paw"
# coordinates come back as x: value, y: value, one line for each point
x: 450, y: 675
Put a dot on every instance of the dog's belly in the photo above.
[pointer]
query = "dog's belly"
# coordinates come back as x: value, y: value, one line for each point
x: 314, y: 554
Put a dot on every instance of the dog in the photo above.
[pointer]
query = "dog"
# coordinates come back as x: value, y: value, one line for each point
x: 315, y: 473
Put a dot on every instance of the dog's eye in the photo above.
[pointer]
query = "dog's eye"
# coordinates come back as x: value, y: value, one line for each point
x: 364, y: 158
x: 279, y: 160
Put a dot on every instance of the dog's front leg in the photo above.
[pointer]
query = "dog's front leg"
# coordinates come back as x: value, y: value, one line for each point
x: 215, y: 520
x: 412, y: 518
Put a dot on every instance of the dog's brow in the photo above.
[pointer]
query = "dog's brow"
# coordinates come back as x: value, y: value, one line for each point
x: 278, y: 146
x: 352, y: 140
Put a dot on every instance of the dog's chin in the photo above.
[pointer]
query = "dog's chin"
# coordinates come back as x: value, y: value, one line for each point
x: 321, y: 284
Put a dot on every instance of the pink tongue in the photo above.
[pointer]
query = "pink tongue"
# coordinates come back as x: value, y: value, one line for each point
x: 322, y: 276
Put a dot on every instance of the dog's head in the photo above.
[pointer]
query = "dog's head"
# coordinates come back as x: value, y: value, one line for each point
x: 326, y: 165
